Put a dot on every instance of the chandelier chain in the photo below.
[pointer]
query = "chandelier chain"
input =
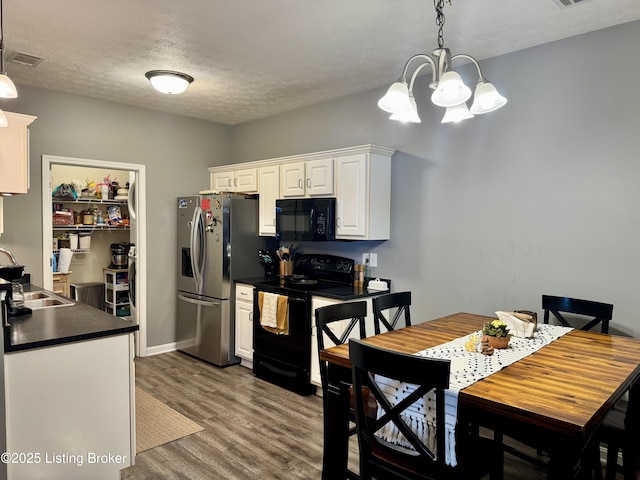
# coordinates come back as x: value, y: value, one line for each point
x: 439, y: 5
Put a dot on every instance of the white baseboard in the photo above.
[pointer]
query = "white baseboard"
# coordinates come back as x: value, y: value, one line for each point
x: 158, y: 349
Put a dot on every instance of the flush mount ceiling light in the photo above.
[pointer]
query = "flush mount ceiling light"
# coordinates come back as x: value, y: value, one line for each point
x: 449, y: 89
x: 166, y: 81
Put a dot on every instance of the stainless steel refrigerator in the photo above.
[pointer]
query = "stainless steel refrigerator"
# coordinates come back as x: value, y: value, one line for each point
x: 217, y: 243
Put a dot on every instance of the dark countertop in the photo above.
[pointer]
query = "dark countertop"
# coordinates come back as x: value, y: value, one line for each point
x: 347, y: 292
x: 62, y: 324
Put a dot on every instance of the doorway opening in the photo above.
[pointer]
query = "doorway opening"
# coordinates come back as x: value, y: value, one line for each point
x: 89, y: 262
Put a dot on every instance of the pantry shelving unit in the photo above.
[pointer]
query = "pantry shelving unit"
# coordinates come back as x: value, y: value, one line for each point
x: 116, y: 292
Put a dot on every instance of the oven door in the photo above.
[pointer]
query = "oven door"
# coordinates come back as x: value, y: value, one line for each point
x: 285, y: 360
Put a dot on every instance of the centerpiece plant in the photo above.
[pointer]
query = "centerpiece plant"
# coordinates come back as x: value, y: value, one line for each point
x: 496, y: 328
x: 496, y: 333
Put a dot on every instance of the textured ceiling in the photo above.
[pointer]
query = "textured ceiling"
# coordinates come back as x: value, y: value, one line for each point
x: 253, y: 58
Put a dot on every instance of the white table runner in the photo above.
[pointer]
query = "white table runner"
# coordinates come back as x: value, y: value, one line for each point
x: 466, y: 369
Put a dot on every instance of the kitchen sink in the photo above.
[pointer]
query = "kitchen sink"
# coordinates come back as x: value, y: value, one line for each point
x: 35, y: 300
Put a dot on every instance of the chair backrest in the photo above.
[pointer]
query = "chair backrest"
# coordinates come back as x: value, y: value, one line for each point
x: 325, y: 316
x: 599, y: 312
x: 369, y: 364
x: 401, y: 301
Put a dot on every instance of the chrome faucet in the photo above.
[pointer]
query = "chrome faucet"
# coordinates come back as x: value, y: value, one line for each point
x: 10, y: 255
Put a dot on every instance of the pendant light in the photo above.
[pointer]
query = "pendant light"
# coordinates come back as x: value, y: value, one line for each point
x: 450, y: 91
x: 167, y: 81
x: 7, y: 88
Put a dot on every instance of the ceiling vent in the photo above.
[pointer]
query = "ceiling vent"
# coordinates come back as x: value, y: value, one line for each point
x: 24, y: 59
x: 569, y: 3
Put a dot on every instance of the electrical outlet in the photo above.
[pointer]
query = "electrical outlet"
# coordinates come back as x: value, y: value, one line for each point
x: 365, y: 257
x: 373, y: 259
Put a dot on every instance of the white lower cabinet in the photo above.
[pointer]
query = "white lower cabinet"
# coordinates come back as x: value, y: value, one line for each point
x: 337, y: 327
x: 70, y: 410
x: 244, y: 323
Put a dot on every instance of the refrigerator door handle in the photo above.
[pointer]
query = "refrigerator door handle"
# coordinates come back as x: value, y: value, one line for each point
x: 131, y: 200
x: 197, y: 248
x: 195, y: 301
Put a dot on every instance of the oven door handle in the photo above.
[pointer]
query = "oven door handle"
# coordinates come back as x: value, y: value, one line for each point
x: 297, y: 300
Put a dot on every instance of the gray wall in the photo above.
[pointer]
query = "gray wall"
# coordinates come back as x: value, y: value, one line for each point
x: 176, y: 151
x: 540, y: 197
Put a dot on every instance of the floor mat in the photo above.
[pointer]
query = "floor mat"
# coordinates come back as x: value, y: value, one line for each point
x: 157, y: 424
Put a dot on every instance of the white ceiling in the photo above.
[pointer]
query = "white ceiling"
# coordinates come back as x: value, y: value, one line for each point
x: 256, y: 58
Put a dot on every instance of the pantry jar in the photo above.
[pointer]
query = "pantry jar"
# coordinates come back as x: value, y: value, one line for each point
x: 87, y: 217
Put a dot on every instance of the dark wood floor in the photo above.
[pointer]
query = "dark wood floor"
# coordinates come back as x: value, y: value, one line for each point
x: 252, y: 429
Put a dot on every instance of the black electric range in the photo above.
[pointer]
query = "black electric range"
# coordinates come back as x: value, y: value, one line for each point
x: 285, y: 359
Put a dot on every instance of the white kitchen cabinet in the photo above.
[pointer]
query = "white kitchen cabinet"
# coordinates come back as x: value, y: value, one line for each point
x: 14, y: 153
x: 269, y: 193
x: 74, y: 400
x: 242, y: 181
x: 309, y: 178
x: 363, y: 196
x: 244, y: 323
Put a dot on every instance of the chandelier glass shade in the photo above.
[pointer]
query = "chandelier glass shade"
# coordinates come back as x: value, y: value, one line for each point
x: 449, y: 91
x: 167, y: 81
x: 7, y: 88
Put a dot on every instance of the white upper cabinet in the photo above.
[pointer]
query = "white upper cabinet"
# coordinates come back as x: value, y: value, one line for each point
x: 358, y: 177
x: 269, y: 191
x: 363, y: 196
x: 243, y: 181
x: 14, y: 153
x: 309, y: 178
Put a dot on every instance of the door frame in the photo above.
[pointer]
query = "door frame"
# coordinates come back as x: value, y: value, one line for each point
x: 141, y: 233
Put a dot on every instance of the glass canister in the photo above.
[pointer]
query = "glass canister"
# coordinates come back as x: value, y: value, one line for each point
x: 87, y: 217
x: 17, y: 294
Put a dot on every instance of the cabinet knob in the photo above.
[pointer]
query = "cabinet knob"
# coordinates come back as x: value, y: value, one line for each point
x: 300, y: 184
x: 308, y: 183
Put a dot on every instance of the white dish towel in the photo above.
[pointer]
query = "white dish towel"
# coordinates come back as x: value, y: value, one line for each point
x: 269, y: 313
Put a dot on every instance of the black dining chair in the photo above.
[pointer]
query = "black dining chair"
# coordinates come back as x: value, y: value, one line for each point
x: 382, y: 307
x: 611, y: 433
x: 421, y: 458
x: 326, y: 318
x: 599, y: 313
x: 583, y: 315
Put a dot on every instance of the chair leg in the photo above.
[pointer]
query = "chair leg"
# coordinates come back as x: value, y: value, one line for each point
x: 612, y: 462
x: 597, y: 464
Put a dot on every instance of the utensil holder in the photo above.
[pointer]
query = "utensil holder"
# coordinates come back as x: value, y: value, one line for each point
x: 286, y: 268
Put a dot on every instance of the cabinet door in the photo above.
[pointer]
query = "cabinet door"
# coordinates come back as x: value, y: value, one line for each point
x: 14, y: 154
x: 244, y: 321
x: 269, y: 192
x: 222, y: 182
x: 292, y: 179
x: 351, y: 195
x: 245, y: 181
x: 320, y: 177
x: 317, y: 302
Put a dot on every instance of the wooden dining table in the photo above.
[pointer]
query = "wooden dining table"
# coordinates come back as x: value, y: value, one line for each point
x: 559, y: 395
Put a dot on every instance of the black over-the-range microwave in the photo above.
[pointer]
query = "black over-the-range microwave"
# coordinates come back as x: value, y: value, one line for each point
x: 306, y: 219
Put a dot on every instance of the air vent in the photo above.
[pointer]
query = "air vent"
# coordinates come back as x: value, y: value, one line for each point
x: 24, y: 59
x: 569, y: 3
